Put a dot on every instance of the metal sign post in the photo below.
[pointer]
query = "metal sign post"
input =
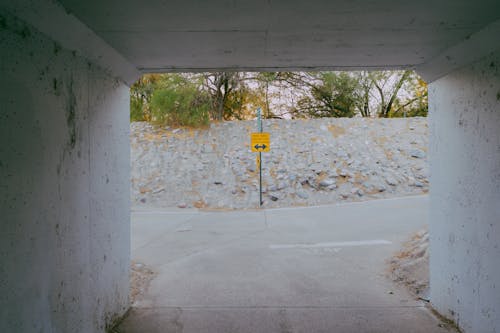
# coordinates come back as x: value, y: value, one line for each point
x: 260, y: 142
x: 260, y: 180
x: 259, y: 120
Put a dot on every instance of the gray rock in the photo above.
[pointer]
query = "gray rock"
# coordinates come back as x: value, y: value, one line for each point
x: 368, y: 185
x: 302, y: 194
x: 273, y: 198
x: 282, y: 185
x: 327, y: 182
x: 344, y: 195
x: 417, y: 153
x: 391, y: 180
x: 357, y: 191
x: 272, y: 188
x: 341, y: 154
x: 344, y: 173
x: 332, y: 173
x: 381, y: 188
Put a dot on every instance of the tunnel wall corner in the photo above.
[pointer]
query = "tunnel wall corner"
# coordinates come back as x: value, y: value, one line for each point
x: 64, y: 182
x: 464, y: 118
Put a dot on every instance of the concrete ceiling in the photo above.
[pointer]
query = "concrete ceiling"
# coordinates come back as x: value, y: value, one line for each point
x: 130, y: 36
x: 165, y: 35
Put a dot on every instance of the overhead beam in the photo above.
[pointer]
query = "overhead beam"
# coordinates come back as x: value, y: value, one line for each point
x: 174, y: 69
x: 473, y: 48
x: 50, y: 18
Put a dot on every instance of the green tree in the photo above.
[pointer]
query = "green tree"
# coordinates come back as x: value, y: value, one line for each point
x: 416, y: 104
x: 180, y: 101
x: 331, y: 94
x: 388, y: 85
x: 362, y: 94
x: 267, y: 80
x: 227, y: 93
x: 140, y: 96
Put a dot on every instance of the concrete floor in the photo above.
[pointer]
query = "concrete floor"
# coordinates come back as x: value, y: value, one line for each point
x: 317, y: 269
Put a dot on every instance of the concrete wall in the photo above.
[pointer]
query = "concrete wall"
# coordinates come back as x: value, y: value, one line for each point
x: 64, y: 187
x: 465, y: 195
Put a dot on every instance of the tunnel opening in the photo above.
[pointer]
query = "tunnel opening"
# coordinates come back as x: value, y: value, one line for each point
x: 191, y: 136
x: 210, y: 249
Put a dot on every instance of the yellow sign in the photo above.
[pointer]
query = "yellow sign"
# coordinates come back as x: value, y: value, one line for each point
x: 258, y: 161
x: 260, y: 142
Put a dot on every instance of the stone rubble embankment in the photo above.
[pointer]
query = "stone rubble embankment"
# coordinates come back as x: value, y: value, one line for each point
x: 311, y: 162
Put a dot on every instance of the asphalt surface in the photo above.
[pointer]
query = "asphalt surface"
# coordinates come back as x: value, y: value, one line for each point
x: 314, y: 269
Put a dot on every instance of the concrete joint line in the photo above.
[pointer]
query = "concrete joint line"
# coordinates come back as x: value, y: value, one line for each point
x: 297, y: 307
x: 331, y: 244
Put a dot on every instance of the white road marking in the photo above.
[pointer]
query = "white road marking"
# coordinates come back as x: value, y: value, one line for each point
x: 330, y: 244
x: 164, y: 212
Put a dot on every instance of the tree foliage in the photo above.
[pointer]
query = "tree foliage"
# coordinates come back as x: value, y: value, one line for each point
x: 265, y: 82
x: 362, y: 93
x: 195, y: 99
x: 331, y: 94
x: 231, y: 97
x: 140, y: 96
x: 179, y: 101
x: 388, y: 96
x: 417, y: 104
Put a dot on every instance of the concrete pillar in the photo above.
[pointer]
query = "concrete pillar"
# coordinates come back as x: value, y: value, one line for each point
x: 64, y: 187
x: 465, y: 195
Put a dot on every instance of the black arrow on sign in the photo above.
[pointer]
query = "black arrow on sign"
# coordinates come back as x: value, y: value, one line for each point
x: 263, y: 146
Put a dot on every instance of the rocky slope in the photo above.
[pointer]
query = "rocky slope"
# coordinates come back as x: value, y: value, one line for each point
x: 311, y: 162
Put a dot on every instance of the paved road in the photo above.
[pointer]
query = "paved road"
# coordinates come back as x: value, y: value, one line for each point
x: 316, y: 269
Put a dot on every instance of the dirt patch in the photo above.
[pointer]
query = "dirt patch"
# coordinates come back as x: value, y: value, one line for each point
x: 410, y: 266
x: 200, y: 204
x: 140, y: 278
x: 336, y: 130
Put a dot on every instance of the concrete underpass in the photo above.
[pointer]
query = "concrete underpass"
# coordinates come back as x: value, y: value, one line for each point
x: 64, y: 121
